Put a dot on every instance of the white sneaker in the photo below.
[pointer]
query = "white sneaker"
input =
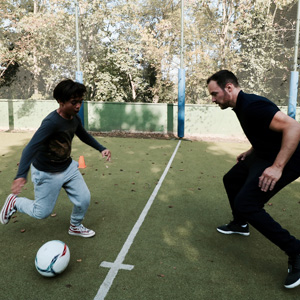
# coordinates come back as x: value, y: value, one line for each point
x: 80, y: 230
x: 8, y: 209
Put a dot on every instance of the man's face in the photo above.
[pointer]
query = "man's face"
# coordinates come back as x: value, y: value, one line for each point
x: 220, y: 96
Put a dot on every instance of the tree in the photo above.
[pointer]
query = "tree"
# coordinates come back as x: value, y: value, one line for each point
x: 130, y: 49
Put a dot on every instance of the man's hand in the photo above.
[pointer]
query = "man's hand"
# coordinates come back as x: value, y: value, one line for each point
x: 107, y: 153
x: 243, y: 155
x: 17, y: 185
x: 269, y: 178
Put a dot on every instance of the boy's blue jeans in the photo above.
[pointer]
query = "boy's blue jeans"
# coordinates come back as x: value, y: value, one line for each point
x: 46, y: 190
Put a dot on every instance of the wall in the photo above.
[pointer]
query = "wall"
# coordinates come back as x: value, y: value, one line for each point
x: 200, y: 120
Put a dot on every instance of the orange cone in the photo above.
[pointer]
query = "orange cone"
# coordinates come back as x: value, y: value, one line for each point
x: 81, y: 162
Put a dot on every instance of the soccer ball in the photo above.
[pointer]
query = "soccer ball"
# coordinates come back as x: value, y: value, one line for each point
x: 52, y: 258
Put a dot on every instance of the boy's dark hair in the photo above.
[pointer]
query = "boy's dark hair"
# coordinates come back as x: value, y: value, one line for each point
x: 68, y: 89
x: 222, y: 78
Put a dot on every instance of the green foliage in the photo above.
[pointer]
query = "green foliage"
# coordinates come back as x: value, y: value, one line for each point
x: 130, y: 49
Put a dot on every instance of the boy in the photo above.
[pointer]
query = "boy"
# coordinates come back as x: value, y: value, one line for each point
x: 52, y: 167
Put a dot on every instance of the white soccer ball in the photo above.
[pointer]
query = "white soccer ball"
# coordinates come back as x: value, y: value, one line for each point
x: 52, y: 258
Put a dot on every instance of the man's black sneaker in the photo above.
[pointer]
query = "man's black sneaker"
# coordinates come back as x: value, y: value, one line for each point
x: 293, y: 278
x: 234, y: 228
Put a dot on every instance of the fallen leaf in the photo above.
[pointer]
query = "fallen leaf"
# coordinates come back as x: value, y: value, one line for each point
x: 79, y: 260
x: 53, y: 215
x: 23, y: 230
x: 161, y: 275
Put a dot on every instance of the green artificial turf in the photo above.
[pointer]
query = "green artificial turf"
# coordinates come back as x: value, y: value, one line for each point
x: 177, y: 254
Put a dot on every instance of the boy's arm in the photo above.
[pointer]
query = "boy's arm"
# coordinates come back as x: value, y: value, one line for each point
x: 17, y: 185
x: 29, y: 153
x: 85, y: 137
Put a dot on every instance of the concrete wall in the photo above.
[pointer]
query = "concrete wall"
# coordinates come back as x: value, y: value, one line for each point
x: 200, y: 120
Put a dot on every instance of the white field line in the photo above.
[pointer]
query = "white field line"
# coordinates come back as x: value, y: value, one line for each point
x: 118, y: 264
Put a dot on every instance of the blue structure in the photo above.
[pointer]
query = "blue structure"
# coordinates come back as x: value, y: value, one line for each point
x: 79, y: 78
x: 293, y: 94
x: 181, y: 102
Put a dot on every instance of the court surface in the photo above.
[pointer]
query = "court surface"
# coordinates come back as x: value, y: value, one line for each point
x: 155, y: 210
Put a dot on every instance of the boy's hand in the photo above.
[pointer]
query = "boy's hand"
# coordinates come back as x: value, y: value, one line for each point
x: 17, y: 185
x: 107, y: 153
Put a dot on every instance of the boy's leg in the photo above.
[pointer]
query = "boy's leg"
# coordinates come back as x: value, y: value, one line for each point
x: 78, y: 193
x: 46, y: 190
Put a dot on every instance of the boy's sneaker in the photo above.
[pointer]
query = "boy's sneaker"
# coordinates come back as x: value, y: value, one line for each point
x: 8, y: 209
x: 293, y: 278
x: 234, y: 228
x: 80, y: 230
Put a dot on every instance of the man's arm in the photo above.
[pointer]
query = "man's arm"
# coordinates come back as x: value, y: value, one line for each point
x: 243, y: 155
x: 290, y: 139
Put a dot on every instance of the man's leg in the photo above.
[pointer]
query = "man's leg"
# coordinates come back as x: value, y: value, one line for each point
x: 249, y: 204
x: 233, y: 181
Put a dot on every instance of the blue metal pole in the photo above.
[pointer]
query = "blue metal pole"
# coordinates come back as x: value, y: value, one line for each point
x: 79, y: 78
x: 294, y: 74
x: 293, y: 94
x: 79, y: 75
x: 181, y: 102
x: 181, y: 81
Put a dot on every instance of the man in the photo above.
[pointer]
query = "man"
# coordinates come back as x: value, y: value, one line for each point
x: 271, y: 163
x: 49, y: 152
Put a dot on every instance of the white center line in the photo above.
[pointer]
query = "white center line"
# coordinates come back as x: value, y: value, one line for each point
x: 118, y: 263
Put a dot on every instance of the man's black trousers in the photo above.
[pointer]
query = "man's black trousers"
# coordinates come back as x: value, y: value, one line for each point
x: 247, y: 200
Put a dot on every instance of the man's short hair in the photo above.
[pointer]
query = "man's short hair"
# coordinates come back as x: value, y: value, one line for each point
x: 68, y: 89
x: 223, y: 77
